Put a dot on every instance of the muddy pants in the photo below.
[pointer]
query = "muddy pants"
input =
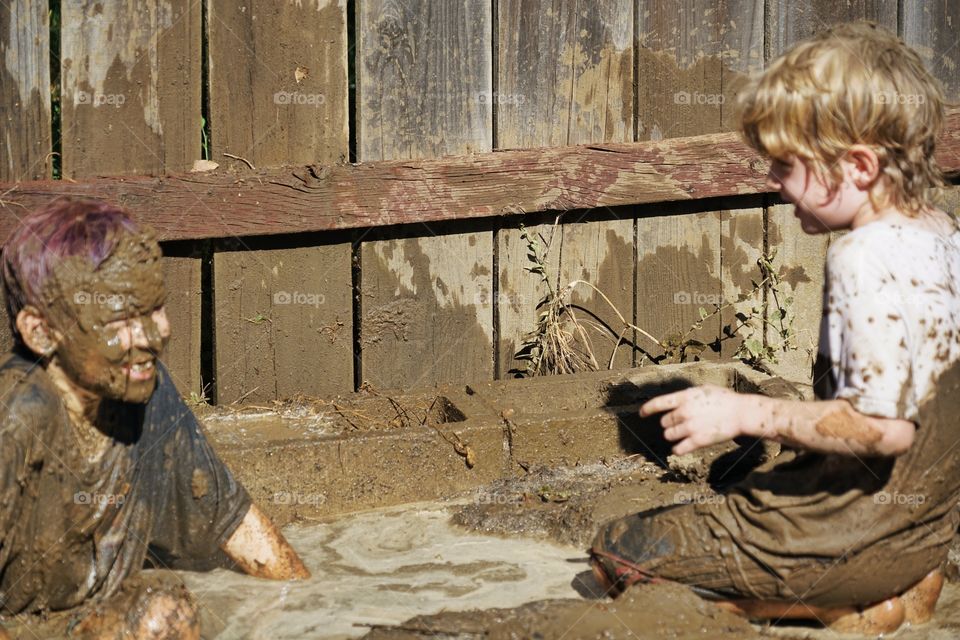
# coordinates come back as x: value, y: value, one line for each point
x: 678, y: 543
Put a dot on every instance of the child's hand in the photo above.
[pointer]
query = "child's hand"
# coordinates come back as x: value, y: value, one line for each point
x: 702, y: 416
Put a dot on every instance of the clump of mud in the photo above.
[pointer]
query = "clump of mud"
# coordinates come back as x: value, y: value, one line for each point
x: 569, y: 504
x: 657, y: 611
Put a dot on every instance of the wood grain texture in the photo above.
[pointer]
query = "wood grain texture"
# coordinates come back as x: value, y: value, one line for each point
x: 278, y: 81
x: 283, y: 323
x: 800, y: 263
x: 565, y: 72
x: 423, y: 86
x: 131, y: 90
x: 741, y: 244
x: 566, y: 77
x: 278, y: 96
x: 25, y: 140
x: 694, y: 55
x: 789, y: 22
x: 678, y: 271
x: 931, y: 29
x: 182, y: 356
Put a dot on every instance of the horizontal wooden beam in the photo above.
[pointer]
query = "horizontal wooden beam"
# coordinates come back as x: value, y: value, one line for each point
x: 320, y: 198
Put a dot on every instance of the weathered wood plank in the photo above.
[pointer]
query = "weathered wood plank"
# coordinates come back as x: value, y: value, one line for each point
x: 931, y: 29
x: 131, y: 104
x: 741, y: 244
x: 25, y: 140
x: 800, y: 263
x: 220, y: 204
x: 278, y: 81
x: 182, y: 356
x: 131, y: 86
x: 694, y: 55
x: 423, y: 71
x: 278, y: 95
x: 283, y: 323
x: 678, y: 271
x: 789, y: 22
x: 697, y: 54
x: 566, y: 77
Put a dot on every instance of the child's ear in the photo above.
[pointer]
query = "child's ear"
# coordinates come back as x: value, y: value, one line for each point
x: 865, y: 166
x: 35, y: 332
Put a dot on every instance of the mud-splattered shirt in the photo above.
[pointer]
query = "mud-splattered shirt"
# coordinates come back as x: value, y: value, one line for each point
x: 71, y: 529
x: 891, y: 346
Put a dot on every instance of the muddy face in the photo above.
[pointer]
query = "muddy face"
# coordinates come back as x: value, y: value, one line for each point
x: 111, y: 319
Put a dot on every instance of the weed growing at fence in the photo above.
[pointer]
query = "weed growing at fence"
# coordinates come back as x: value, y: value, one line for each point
x: 561, y: 342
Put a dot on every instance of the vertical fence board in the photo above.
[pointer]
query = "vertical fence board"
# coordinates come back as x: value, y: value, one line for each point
x: 695, y: 54
x: 789, y: 21
x: 741, y: 244
x: 131, y: 105
x: 931, y: 29
x: 278, y: 95
x: 285, y: 103
x: 25, y: 140
x: 131, y: 89
x: 423, y: 87
x: 24, y: 91
x: 283, y: 323
x: 566, y: 77
x: 182, y: 278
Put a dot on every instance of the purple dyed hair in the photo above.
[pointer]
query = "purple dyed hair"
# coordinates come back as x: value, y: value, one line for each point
x: 62, y: 228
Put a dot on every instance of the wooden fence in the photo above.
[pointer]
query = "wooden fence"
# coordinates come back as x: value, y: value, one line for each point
x: 411, y: 269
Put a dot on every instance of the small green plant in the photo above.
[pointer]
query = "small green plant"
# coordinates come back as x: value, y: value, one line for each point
x: 560, y: 342
x: 204, y: 140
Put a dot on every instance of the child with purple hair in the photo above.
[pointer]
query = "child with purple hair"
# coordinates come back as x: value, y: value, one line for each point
x: 103, y: 468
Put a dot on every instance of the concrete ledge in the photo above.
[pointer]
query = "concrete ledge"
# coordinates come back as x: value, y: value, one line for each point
x: 318, y: 462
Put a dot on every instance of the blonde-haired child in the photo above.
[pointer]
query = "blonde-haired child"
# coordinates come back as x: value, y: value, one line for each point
x: 852, y: 525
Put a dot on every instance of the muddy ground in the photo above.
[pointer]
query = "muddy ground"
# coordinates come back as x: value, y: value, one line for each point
x: 567, y: 506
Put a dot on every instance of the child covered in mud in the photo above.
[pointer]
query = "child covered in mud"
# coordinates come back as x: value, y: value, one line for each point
x: 104, y: 469
x: 852, y: 524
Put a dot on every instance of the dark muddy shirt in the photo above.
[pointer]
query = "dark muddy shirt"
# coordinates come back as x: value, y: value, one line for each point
x: 71, y: 528
x: 890, y: 341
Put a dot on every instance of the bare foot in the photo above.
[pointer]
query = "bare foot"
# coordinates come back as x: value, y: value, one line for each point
x: 883, y: 617
x: 920, y: 600
x: 142, y: 613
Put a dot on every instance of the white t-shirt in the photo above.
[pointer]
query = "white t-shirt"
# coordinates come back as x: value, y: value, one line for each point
x: 891, y: 316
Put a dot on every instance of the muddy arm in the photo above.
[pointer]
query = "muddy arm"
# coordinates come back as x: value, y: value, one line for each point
x: 706, y: 415
x: 259, y: 548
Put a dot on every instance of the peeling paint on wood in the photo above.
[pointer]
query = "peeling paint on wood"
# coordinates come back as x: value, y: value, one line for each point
x: 741, y: 243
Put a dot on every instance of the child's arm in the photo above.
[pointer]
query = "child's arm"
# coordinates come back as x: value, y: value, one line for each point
x: 702, y: 416
x: 259, y: 548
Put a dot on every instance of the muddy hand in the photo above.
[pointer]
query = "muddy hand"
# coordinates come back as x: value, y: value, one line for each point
x: 700, y: 416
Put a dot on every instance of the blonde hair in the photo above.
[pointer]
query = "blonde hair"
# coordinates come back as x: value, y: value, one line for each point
x: 856, y: 83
